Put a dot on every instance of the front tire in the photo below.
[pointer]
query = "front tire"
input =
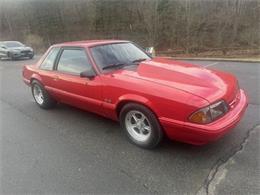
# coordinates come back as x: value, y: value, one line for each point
x: 141, y: 125
x: 41, y: 96
x: 31, y: 56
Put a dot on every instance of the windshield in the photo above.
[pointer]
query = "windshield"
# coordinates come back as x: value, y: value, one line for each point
x: 13, y: 44
x: 117, y: 53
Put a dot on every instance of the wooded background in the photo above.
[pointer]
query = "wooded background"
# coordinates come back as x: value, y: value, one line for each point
x: 185, y: 25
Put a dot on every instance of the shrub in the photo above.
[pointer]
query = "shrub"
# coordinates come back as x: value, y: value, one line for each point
x: 36, y: 42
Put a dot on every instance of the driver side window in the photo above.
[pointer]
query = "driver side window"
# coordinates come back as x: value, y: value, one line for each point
x: 73, y: 61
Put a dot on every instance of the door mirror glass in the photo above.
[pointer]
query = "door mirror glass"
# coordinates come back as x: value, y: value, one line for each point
x: 90, y: 74
x: 150, y: 51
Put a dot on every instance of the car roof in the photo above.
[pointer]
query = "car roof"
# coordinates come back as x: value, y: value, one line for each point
x: 90, y: 43
x: 10, y: 41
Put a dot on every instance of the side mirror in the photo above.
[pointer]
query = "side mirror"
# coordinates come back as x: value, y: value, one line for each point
x: 150, y: 51
x: 90, y: 74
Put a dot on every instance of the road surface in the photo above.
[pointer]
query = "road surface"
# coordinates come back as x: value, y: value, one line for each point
x: 66, y: 150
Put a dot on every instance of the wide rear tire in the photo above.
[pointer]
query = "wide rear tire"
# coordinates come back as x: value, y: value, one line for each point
x: 41, y: 96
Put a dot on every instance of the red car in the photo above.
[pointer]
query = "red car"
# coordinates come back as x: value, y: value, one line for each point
x: 151, y: 97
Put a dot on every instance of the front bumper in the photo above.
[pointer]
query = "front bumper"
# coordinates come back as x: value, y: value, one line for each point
x: 22, y: 54
x: 201, y: 134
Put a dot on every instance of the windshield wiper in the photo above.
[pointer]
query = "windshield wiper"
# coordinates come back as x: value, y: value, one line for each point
x: 114, y: 66
x: 139, y: 60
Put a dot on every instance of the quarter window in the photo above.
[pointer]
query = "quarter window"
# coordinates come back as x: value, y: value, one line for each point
x: 73, y: 61
x: 48, y: 62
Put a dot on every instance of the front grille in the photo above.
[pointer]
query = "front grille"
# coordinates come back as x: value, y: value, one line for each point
x: 25, y: 52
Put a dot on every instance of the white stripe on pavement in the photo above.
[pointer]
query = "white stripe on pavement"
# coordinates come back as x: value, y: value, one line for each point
x: 212, y: 64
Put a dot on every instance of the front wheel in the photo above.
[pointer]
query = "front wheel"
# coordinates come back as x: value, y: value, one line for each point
x: 141, y: 125
x: 41, y: 96
x: 31, y: 56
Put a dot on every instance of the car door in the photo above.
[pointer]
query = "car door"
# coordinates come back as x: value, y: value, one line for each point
x: 72, y: 89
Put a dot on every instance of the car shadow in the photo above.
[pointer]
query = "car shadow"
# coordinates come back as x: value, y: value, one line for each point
x: 88, y: 133
x: 102, y: 126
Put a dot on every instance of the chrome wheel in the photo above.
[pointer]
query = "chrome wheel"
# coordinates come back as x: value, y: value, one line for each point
x: 138, y: 126
x: 38, y: 94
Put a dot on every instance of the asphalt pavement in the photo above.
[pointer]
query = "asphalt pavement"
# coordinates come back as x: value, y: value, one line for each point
x: 67, y: 150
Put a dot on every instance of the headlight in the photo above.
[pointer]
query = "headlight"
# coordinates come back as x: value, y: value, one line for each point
x: 210, y: 113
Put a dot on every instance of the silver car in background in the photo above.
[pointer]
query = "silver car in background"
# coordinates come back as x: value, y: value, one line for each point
x: 15, y: 50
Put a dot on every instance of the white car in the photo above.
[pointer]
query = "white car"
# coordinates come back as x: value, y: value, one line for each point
x: 15, y: 50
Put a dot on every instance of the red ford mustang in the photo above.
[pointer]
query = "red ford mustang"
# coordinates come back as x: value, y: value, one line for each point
x: 151, y: 97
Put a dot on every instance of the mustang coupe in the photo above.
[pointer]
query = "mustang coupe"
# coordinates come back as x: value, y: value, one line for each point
x: 151, y: 97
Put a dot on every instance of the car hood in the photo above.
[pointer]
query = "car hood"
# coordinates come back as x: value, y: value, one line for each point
x: 208, y: 84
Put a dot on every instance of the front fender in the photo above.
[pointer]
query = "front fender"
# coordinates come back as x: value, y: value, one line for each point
x: 135, y: 98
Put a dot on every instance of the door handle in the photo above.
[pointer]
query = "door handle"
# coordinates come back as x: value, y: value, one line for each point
x: 55, y: 78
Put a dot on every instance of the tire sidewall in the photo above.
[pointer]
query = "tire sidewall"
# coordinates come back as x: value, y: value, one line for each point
x: 48, y: 102
x: 35, y: 83
x: 156, y: 130
x: 31, y: 56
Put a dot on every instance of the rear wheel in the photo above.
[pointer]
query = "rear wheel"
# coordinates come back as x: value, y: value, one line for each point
x: 141, y: 125
x: 41, y: 96
x: 11, y: 56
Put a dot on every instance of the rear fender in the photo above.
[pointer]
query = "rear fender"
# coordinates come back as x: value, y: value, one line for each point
x: 29, y: 74
x: 36, y: 77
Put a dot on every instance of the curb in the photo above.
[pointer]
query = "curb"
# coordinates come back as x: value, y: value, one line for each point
x: 220, y: 59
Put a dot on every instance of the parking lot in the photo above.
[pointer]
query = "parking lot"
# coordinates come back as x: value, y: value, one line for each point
x: 66, y: 150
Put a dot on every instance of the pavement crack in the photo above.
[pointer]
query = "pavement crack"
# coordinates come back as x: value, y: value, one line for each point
x: 138, y: 181
x: 218, y: 172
